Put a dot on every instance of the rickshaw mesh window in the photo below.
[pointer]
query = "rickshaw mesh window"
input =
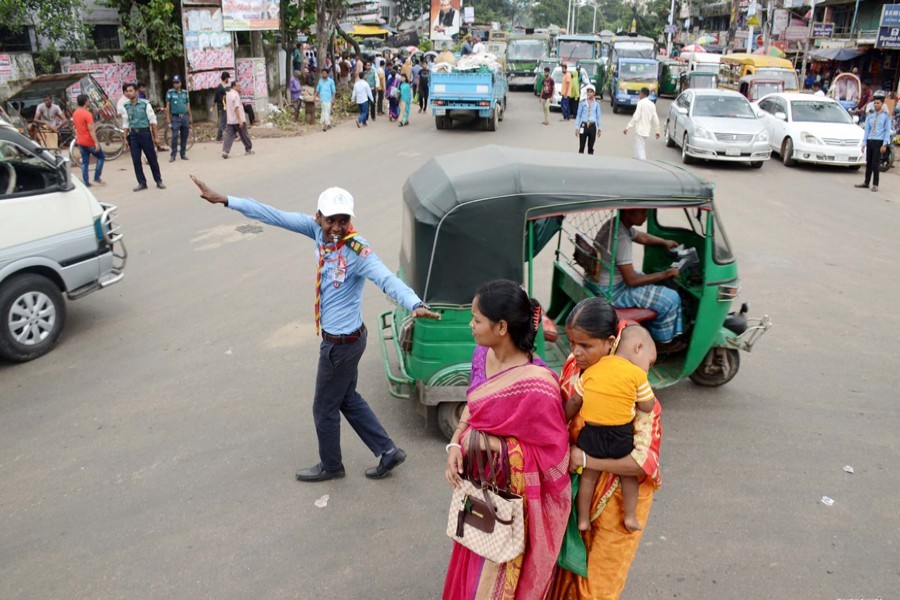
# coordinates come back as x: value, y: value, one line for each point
x: 588, y: 242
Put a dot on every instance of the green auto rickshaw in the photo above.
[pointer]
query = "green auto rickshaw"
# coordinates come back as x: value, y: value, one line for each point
x: 669, y: 73
x: 698, y: 79
x: 596, y: 72
x: 537, y: 217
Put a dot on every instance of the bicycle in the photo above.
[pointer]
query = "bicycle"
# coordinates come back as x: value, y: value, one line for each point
x: 111, y: 139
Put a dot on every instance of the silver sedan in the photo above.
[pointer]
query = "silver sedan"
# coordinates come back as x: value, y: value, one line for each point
x: 716, y: 125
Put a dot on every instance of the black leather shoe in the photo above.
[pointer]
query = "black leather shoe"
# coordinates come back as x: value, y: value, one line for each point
x: 140, y: 188
x: 318, y: 473
x: 160, y: 185
x: 183, y: 157
x: 861, y: 185
x: 387, y: 464
x: 171, y: 159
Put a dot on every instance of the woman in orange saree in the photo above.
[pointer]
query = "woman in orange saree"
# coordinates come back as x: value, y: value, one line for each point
x: 593, y: 331
x: 515, y: 396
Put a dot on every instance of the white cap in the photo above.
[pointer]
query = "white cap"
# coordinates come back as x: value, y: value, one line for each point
x: 336, y: 201
x: 589, y: 87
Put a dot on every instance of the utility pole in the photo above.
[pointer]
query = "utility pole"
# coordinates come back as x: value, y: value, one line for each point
x: 669, y: 33
x: 594, y: 28
x: 809, y: 34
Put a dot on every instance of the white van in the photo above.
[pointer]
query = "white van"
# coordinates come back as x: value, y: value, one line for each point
x: 56, y: 240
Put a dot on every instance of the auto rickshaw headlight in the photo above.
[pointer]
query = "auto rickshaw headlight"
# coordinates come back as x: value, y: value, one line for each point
x: 809, y: 138
x: 729, y: 291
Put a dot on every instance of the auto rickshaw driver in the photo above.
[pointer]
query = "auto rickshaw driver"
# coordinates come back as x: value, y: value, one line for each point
x: 632, y: 289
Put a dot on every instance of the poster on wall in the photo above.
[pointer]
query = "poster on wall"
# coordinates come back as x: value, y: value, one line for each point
x: 251, y: 75
x: 110, y: 76
x: 251, y: 15
x: 207, y: 47
x: 6, y: 65
x: 445, y: 19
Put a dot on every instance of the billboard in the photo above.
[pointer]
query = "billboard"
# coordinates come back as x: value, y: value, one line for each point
x: 207, y: 47
x: 889, y: 27
x: 445, y: 20
x: 247, y: 15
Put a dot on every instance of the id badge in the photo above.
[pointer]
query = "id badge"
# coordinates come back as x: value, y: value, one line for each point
x: 339, y: 274
x: 581, y: 131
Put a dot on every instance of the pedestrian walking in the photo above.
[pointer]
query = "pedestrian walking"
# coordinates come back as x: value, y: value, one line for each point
x: 405, y: 99
x: 237, y: 121
x: 179, y: 117
x: 587, y: 121
x: 564, y: 90
x: 393, y: 94
x: 876, y: 139
x: 345, y: 261
x: 86, y: 138
x: 296, y: 89
x: 424, y: 82
x: 362, y: 95
x: 325, y: 96
x: 548, y: 87
x: 371, y: 77
x: 139, y: 123
x: 309, y: 98
x: 297, y: 57
x: 219, y: 101
x: 414, y: 72
x: 644, y: 120
x: 382, y: 84
x: 574, y: 93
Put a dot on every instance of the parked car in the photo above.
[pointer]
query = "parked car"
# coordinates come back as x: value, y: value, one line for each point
x: 813, y: 129
x: 56, y: 240
x: 716, y: 125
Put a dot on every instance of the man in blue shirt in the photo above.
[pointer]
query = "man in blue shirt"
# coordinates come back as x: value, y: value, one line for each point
x: 587, y: 123
x: 345, y: 261
x: 325, y: 95
x: 876, y: 140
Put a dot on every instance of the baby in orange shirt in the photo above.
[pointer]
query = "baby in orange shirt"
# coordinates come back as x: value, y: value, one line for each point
x: 610, y: 389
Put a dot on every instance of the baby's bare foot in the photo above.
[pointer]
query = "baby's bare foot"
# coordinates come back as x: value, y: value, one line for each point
x: 631, y: 524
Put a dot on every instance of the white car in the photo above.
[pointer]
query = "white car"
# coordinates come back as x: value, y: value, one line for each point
x: 813, y: 129
x: 557, y: 76
x: 715, y: 124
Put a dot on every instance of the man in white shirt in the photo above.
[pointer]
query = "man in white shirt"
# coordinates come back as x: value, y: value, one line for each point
x: 479, y: 48
x: 446, y: 24
x: 644, y: 120
x: 362, y: 95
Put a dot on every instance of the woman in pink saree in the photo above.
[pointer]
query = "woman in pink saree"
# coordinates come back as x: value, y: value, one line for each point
x: 513, y: 395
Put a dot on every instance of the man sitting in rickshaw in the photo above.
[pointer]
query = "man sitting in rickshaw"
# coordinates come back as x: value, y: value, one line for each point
x: 631, y: 288
x: 47, y: 116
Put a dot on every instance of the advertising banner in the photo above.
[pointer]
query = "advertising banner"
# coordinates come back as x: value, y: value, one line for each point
x: 207, y: 47
x: 889, y: 28
x: 445, y: 20
x: 780, y: 22
x: 6, y: 65
x: 110, y: 76
x: 251, y: 15
x: 823, y: 30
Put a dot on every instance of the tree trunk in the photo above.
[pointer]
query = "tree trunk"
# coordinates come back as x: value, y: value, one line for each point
x: 349, y: 40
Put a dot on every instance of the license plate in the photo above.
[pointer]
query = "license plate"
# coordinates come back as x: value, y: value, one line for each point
x: 840, y: 158
x: 732, y: 151
x: 440, y: 112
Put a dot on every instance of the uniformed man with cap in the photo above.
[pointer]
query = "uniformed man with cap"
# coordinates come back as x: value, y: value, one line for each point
x: 345, y: 261
x: 178, y: 113
x: 139, y: 123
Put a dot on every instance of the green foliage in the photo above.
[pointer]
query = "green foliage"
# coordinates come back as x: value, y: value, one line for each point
x: 47, y: 61
x: 57, y: 20
x: 152, y: 28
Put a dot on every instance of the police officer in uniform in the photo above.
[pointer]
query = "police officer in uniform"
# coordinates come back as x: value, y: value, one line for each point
x: 178, y: 112
x: 139, y: 123
x: 345, y: 261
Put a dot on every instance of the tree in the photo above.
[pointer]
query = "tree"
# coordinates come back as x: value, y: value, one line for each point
x: 57, y: 25
x: 328, y: 14
x: 152, y: 28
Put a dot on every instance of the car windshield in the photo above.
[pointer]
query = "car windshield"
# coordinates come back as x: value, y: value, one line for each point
x: 635, y: 50
x: 637, y: 71
x: 810, y: 111
x: 730, y: 107
x: 764, y: 89
x: 575, y: 50
x: 525, y: 50
x: 703, y: 80
x: 790, y: 79
x: 591, y: 68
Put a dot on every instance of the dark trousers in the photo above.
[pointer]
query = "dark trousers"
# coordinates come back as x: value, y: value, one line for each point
x: 564, y: 107
x: 180, y: 130
x: 589, y: 135
x: 363, y: 112
x: 371, y: 106
x: 873, y: 157
x: 223, y: 121
x: 423, y: 98
x: 86, y: 153
x: 251, y: 114
x: 336, y: 393
x: 573, y: 108
x: 380, y: 102
x: 233, y: 131
x: 142, y: 141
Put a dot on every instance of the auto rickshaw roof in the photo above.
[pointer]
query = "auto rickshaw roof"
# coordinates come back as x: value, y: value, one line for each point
x: 467, y: 212
x: 760, y: 78
x: 48, y: 85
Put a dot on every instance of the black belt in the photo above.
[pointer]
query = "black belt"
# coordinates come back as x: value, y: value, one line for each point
x: 179, y: 114
x: 140, y: 129
x: 347, y: 338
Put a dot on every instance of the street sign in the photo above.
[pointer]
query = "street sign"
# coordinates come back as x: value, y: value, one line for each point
x: 823, y: 30
x: 780, y: 22
x: 889, y: 29
x: 671, y: 28
x: 752, y: 21
x: 795, y: 32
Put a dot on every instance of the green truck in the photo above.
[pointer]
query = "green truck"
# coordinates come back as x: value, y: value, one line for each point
x: 523, y: 53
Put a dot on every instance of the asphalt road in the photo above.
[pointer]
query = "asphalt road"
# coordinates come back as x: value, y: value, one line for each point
x: 152, y: 453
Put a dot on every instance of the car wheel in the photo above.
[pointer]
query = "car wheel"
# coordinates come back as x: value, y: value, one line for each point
x: 615, y: 108
x: 670, y: 143
x: 685, y: 157
x: 757, y: 164
x: 787, y: 153
x: 33, y: 314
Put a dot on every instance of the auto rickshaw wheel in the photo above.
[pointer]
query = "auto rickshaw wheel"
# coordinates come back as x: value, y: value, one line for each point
x: 719, y: 366
x: 787, y: 153
x: 448, y: 416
